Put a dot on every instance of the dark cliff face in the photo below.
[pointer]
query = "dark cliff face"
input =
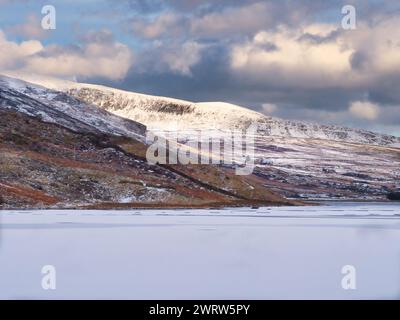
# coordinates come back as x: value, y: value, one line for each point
x: 111, y: 101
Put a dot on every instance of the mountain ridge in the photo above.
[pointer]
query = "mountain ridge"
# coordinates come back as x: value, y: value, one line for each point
x: 163, y: 113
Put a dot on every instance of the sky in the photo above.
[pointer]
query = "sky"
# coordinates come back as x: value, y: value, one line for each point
x: 292, y: 59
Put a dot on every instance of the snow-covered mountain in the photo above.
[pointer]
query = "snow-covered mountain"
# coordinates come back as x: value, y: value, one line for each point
x: 163, y: 113
x: 60, y: 108
x: 294, y: 159
x: 57, y: 151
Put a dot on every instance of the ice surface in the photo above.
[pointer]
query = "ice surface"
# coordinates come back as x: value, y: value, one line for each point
x: 242, y: 253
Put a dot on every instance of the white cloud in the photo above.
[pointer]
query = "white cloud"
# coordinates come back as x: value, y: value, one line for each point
x: 13, y: 55
x: 108, y: 59
x: 181, y: 60
x: 245, y: 19
x: 30, y: 29
x: 168, y: 24
x: 320, y: 55
x: 292, y: 61
x: 167, y: 56
x: 230, y: 21
x: 379, y: 44
x: 93, y: 60
x: 364, y: 110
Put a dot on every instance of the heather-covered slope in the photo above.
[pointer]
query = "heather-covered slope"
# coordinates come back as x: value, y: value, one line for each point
x: 57, y: 151
x: 47, y: 165
x: 294, y: 159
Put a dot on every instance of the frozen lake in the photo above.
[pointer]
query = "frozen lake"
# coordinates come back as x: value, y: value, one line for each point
x: 277, y: 253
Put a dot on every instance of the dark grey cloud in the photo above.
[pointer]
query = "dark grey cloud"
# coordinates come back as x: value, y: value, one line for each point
x: 386, y: 91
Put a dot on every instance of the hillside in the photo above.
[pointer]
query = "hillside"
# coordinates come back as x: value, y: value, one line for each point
x: 171, y: 114
x: 58, y: 152
x: 293, y: 159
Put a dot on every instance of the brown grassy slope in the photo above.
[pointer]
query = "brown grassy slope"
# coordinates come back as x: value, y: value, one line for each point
x: 44, y: 165
x: 219, y: 178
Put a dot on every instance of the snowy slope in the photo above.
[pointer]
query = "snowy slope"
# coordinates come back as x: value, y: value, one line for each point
x: 58, y: 107
x: 163, y: 113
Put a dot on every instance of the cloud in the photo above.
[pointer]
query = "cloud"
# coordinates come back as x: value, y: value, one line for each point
x: 219, y: 21
x: 99, y: 56
x: 13, y: 55
x: 321, y: 55
x: 151, y: 6
x: 102, y: 36
x: 196, y: 6
x: 292, y: 54
x: 287, y: 58
x: 165, y: 25
x: 232, y: 21
x: 295, y: 62
x: 182, y: 60
x: 170, y: 56
x: 268, y: 108
x: 376, y: 46
x: 30, y: 29
x: 364, y: 110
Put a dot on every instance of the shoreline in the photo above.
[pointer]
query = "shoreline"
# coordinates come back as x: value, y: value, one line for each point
x: 160, y: 206
x: 210, y: 206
